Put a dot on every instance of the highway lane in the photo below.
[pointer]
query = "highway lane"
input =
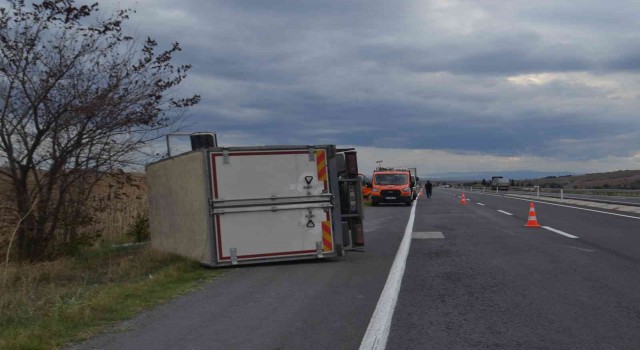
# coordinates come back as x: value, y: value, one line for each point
x: 302, y: 305
x: 619, y: 235
x: 491, y: 283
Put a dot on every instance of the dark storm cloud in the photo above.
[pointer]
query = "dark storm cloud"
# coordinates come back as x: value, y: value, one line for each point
x: 497, y: 77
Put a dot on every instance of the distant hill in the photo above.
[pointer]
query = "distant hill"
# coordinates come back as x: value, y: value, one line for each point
x: 478, y: 176
x: 621, y: 179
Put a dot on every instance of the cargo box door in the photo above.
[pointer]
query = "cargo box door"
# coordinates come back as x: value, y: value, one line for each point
x: 278, y: 176
x: 271, y: 204
x: 258, y: 232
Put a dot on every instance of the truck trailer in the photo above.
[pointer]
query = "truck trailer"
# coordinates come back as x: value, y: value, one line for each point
x: 499, y: 183
x: 241, y: 205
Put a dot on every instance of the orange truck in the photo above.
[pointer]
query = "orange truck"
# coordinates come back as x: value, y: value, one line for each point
x: 392, y: 185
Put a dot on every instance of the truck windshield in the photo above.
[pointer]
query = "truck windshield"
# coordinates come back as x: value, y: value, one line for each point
x: 390, y: 179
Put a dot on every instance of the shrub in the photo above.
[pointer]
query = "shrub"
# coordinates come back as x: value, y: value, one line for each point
x: 139, y: 229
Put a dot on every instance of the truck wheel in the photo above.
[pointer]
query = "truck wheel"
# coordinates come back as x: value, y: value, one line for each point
x: 408, y: 204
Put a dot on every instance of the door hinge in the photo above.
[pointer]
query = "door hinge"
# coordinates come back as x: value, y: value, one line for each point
x: 225, y: 156
x: 234, y: 256
x: 319, y: 250
x: 312, y: 154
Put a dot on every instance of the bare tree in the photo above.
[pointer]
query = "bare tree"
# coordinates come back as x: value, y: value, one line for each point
x: 77, y: 99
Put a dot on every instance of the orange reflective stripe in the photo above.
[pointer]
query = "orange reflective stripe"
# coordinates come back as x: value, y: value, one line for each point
x: 327, y: 244
x: 321, y: 162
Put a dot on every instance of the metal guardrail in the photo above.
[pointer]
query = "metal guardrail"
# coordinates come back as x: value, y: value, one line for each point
x: 586, y: 191
x: 612, y: 196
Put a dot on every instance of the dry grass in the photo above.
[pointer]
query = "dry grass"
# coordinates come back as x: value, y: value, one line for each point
x: 46, y: 305
x: 116, y: 202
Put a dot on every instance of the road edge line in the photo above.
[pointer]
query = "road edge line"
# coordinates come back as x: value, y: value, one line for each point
x: 380, y: 324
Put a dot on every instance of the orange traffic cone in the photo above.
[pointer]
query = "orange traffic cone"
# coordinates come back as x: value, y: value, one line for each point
x: 533, y: 220
x: 463, y: 199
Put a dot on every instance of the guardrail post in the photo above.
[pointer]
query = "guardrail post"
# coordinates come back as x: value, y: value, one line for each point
x: 561, y: 193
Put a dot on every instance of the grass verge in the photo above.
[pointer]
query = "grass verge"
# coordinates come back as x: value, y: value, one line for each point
x: 47, y: 305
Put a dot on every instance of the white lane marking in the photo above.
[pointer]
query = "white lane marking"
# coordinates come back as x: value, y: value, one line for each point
x: 559, y: 232
x: 565, y: 206
x: 480, y: 204
x: 582, y: 249
x: 380, y: 324
x: 427, y: 235
x: 505, y: 212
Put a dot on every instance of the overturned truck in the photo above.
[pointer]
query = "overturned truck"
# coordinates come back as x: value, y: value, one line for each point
x: 239, y: 205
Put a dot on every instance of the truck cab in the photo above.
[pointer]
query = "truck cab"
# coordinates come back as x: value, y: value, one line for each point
x: 392, y: 186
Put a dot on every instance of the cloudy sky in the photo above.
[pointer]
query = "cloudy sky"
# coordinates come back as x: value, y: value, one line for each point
x: 545, y: 85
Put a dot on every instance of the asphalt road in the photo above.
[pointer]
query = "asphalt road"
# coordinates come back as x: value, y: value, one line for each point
x: 491, y: 283
x: 303, y: 305
x: 488, y: 283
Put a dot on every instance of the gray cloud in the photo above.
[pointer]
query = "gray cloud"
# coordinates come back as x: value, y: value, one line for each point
x: 545, y: 78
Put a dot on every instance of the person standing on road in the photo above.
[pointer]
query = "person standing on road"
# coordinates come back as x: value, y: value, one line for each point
x: 429, y: 188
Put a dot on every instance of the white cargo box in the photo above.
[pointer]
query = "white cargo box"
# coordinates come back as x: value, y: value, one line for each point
x: 253, y: 204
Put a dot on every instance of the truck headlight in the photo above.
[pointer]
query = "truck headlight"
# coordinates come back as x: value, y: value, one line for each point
x: 376, y: 190
x: 406, y: 189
